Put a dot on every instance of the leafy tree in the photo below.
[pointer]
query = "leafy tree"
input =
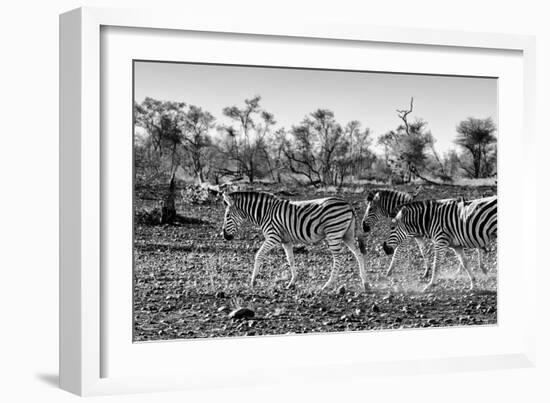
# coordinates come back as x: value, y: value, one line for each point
x: 246, y: 144
x: 317, y: 142
x: 451, y: 163
x: 160, y: 120
x: 360, y: 142
x: 163, y: 136
x: 323, y: 151
x: 196, y: 141
x: 275, y: 154
x: 476, y: 137
x: 300, y: 153
x: 406, y: 148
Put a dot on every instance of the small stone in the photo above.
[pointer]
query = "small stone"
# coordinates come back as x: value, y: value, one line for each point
x: 341, y: 290
x: 241, y: 313
x: 388, y: 298
x: 375, y: 308
x: 223, y: 308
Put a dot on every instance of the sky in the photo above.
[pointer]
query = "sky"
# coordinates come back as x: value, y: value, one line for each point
x: 291, y: 94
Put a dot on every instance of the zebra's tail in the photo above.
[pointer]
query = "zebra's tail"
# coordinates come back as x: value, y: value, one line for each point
x: 359, y: 233
x: 362, y: 246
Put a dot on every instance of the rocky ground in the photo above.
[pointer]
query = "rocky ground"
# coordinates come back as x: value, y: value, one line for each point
x: 190, y: 283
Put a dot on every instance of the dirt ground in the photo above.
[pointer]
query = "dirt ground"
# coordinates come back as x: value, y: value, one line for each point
x: 187, y: 279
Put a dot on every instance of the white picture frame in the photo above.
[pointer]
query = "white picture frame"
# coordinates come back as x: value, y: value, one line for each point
x: 84, y: 306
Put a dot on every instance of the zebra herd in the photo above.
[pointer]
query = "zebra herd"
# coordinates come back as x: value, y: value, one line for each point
x: 449, y: 223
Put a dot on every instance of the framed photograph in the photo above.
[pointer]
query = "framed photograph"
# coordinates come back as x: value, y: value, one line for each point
x: 246, y: 203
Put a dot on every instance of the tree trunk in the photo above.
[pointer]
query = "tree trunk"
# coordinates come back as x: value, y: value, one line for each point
x: 168, y: 203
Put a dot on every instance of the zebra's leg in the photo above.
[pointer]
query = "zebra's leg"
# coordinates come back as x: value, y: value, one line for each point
x: 290, y: 257
x: 349, y: 241
x: 480, y: 263
x: 393, y: 258
x: 438, y: 250
x: 260, y: 256
x: 464, y: 263
x: 421, y: 245
x: 335, y: 247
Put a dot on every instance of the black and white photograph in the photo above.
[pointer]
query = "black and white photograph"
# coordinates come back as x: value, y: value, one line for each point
x: 275, y: 201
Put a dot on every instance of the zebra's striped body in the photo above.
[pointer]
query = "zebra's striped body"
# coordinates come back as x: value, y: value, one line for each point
x: 285, y: 222
x: 385, y: 204
x: 451, y: 223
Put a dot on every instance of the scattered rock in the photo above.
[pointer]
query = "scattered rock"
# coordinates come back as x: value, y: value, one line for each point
x: 220, y: 294
x: 375, y: 308
x: 223, y: 308
x: 341, y: 290
x: 241, y: 313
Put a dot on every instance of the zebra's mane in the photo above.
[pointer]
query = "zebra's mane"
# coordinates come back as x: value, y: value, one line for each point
x: 245, y: 193
x: 386, y: 192
x: 427, y: 202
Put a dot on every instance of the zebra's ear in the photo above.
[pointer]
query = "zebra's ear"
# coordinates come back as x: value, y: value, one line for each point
x: 227, y: 199
x: 398, y: 216
x: 417, y: 191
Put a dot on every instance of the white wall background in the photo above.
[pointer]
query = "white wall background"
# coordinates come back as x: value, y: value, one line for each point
x: 29, y: 200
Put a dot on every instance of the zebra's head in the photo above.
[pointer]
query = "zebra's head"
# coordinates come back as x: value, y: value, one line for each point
x: 398, y: 232
x: 373, y: 212
x: 233, y: 217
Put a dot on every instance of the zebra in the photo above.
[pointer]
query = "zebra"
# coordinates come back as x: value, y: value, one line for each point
x: 284, y: 222
x: 453, y: 223
x: 385, y: 203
